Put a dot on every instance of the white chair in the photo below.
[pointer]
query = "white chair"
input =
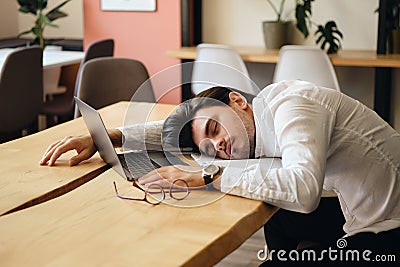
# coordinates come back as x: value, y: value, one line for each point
x: 220, y: 65
x: 307, y: 63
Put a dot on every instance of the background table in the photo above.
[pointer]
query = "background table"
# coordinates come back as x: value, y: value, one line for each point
x: 51, y: 59
x: 352, y: 58
x: 52, y: 63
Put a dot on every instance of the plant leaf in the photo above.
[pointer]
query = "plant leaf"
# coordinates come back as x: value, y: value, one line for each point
x: 328, y: 34
x: 28, y: 6
x: 24, y: 9
x: 55, y: 13
x: 44, y: 21
x: 36, y: 31
x: 301, y: 20
x: 23, y: 33
x: 303, y: 13
x: 24, y: 2
x: 307, y: 6
x: 42, y: 4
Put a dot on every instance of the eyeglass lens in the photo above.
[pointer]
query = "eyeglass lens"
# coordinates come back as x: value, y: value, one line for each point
x: 154, y: 194
x: 179, y: 189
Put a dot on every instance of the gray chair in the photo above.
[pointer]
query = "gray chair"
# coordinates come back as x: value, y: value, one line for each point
x: 102, y: 48
x: 104, y: 81
x: 61, y: 107
x: 21, y: 92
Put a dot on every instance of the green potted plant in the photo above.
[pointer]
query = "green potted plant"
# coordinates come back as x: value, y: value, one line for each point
x: 275, y: 31
x: 36, y: 7
x: 327, y: 35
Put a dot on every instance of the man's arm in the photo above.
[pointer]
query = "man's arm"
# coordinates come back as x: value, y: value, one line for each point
x: 166, y: 175
x: 142, y: 136
x: 116, y: 137
x: 138, y: 136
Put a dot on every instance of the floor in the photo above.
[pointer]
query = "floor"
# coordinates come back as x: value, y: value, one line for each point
x: 246, y: 254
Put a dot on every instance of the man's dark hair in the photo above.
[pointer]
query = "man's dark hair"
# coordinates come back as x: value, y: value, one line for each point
x: 177, y: 129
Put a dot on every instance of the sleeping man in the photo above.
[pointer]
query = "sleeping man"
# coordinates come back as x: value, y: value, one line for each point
x: 325, y: 139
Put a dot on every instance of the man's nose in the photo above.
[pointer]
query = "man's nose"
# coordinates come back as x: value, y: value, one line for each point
x: 219, y: 144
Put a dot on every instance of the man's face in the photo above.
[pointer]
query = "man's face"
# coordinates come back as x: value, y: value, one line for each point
x: 226, y: 132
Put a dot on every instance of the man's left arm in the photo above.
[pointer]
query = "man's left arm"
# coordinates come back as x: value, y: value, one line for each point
x: 142, y: 136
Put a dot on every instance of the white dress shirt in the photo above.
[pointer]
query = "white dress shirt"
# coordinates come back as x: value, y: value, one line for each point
x: 329, y: 141
x: 326, y: 140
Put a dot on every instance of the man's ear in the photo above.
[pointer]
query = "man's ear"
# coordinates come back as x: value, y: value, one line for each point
x: 238, y: 100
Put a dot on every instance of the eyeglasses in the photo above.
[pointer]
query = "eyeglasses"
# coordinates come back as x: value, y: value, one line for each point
x: 155, y: 194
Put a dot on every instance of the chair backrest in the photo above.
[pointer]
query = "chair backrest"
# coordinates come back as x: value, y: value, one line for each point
x: 102, y: 48
x: 21, y: 92
x: 98, y: 49
x: 307, y: 63
x: 107, y: 80
x: 220, y: 65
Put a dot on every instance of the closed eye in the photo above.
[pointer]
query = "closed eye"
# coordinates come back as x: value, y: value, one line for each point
x: 212, y: 128
x: 215, y: 131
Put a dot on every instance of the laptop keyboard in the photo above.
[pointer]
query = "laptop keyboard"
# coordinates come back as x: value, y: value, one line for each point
x: 138, y: 164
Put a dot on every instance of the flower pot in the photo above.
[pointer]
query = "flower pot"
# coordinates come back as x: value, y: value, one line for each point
x: 275, y: 34
x: 295, y: 37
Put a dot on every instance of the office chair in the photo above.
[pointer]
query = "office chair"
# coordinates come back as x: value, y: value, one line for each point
x: 21, y: 92
x: 307, y: 63
x: 104, y: 81
x: 61, y: 107
x: 220, y: 65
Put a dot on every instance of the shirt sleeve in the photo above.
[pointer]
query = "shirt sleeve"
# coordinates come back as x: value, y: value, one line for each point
x: 142, y: 136
x: 303, y: 129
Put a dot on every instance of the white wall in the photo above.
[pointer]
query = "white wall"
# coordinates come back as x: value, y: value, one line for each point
x: 69, y: 27
x: 8, y: 18
x: 238, y: 23
x: 12, y: 22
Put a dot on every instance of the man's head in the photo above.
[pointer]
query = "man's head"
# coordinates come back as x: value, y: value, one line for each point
x: 217, y: 122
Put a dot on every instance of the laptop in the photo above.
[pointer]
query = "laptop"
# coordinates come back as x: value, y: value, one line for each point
x: 132, y: 165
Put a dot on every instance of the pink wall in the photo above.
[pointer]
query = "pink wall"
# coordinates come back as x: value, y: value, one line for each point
x: 145, y: 36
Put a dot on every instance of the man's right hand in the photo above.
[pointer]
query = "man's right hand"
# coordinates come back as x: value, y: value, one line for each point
x: 83, y: 145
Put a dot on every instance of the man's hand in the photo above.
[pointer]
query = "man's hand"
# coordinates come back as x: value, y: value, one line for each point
x: 83, y: 145
x: 164, y: 176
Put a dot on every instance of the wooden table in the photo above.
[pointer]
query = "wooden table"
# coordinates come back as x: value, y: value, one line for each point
x: 89, y: 226
x: 350, y: 58
x: 24, y: 183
